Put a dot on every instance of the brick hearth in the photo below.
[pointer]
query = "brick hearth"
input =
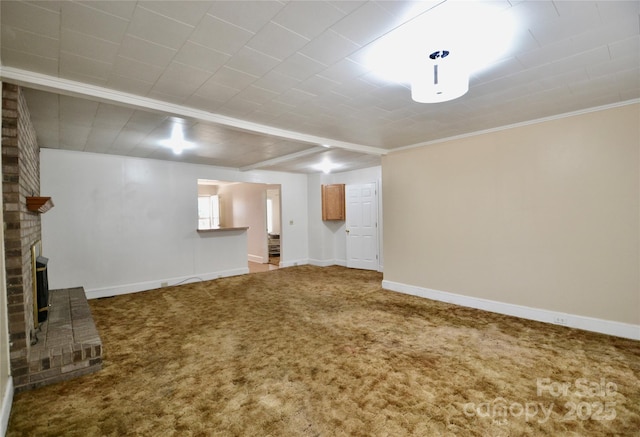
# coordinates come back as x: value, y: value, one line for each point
x: 68, y: 342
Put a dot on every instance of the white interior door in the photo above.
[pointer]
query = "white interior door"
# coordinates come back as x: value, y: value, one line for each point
x: 362, y: 226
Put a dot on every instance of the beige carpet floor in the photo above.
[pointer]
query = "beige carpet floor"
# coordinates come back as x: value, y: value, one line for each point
x: 310, y: 351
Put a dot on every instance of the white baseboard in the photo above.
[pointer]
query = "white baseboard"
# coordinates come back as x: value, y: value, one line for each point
x: 609, y: 327
x: 7, y: 401
x: 257, y: 259
x: 294, y: 262
x: 322, y: 262
x: 94, y: 293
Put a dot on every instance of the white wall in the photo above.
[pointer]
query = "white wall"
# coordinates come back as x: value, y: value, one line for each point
x: 246, y: 205
x: 126, y: 224
x: 327, y: 239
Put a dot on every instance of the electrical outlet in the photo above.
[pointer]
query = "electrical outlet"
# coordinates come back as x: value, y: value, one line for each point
x: 164, y: 284
x: 559, y: 320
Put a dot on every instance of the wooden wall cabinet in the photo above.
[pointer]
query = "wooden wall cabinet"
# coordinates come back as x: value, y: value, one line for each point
x: 333, y: 202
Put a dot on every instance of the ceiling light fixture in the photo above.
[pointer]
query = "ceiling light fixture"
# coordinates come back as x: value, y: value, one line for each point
x: 326, y: 166
x: 177, y: 143
x: 439, y: 77
x: 436, y: 51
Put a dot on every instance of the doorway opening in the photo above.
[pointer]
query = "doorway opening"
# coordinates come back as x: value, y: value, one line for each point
x: 257, y: 206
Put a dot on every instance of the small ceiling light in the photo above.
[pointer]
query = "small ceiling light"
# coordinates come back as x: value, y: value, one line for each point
x: 326, y: 166
x: 439, y: 77
x: 177, y: 142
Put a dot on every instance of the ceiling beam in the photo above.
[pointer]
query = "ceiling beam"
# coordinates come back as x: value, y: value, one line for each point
x: 78, y: 89
x: 284, y: 158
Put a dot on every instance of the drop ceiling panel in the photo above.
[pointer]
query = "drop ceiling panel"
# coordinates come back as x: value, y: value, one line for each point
x: 150, y: 26
x: 219, y: 35
x: 251, y: 15
x: 31, y: 18
x: 308, y: 18
x: 186, y: 11
x: 86, y: 19
x: 277, y: 41
x: 146, y: 52
x: 201, y: 57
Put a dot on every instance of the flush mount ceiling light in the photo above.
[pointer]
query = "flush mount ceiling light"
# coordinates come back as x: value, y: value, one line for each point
x: 436, y: 51
x: 326, y: 166
x: 439, y: 77
x: 177, y: 143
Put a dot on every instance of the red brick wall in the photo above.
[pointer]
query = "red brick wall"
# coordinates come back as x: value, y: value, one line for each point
x: 20, y: 179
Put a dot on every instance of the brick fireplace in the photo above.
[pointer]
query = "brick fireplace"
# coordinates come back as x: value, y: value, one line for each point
x: 69, y: 345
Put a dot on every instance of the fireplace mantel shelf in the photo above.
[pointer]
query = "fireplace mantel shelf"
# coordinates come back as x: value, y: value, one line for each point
x: 39, y: 204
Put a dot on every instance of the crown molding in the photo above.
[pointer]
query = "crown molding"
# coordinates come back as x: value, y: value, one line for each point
x: 521, y: 124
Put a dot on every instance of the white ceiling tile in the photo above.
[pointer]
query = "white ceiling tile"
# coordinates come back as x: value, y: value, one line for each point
x: 610, y: 67
x: 277, y: 41
x: 146, y: 121
x: 252, y: 62
x: 299, y: 67
x: 404, y: 9
x: 112, y: 117
x: 78, y: 111
x: 73, y: 137
x: 27, y: 42
x: 181, y: 80
x: 614, y: 10
x: 629, y: 47
x: 47, y: 107
x: 31, y: 17
x: 366, y: 24
x: 166, y: 97
x: 328, y: 48
x: 347, y: 6
x: 294, y: 97
x: 215, y: 91
x: 146, y: 52
x: 121, y: 9
x: 233, y: 78
x: 220, y: 35
x: 102, y: 136
x: 185, y: 11
x: 251, y: 15
x: 586, y: 12
x: 276, y: 108
x: 48, y: 134
x: 276, y: 82
x: 148, y: 25
x: 317, y: 85
x: 27, y: 61
x: 88, y: 46
x: 133, y: 68
x: 201, y: 57
x: 256, y: 94
x: 237, y: 107
x: 343, y: 70
x: 532, y: 13
x: 129, y: 84
x: 198, y: 101
x: 71, y: 63
x: 90, y: 21
x: 308, y: 18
